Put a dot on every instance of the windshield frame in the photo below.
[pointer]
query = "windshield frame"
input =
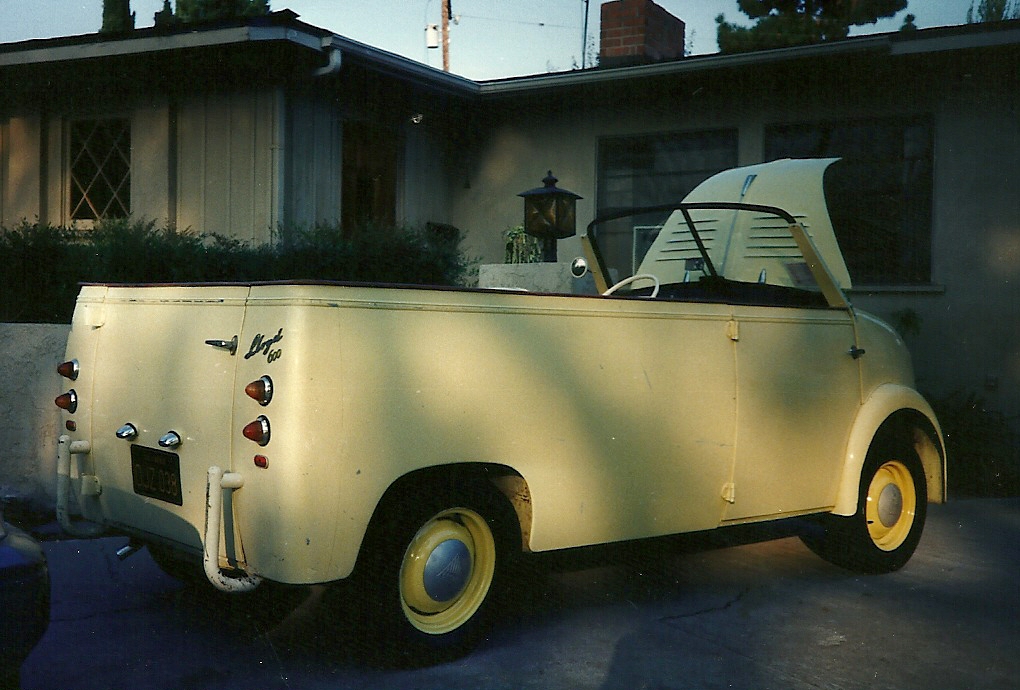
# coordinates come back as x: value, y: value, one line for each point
x: 823, y: 276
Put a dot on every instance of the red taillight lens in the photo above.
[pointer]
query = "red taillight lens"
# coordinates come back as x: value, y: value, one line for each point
x: 69, y: 370
x: 257, y: 431
x: 261, y: 391
x: 261, y: 461
x: 67, y: 401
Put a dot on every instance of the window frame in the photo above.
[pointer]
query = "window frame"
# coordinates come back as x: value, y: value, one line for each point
x: 79, y: 195
x: 630, y: 141
x: 871, y: 264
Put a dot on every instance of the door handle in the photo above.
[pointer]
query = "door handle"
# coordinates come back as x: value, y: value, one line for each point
x: 228, y: 345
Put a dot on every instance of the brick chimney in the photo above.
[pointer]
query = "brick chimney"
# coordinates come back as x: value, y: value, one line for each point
x: 637, y: 32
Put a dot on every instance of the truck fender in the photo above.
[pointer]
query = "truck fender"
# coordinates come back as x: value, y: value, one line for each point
x: 893, y: 409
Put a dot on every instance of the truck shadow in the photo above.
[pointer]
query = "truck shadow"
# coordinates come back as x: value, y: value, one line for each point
x: 323, y: 626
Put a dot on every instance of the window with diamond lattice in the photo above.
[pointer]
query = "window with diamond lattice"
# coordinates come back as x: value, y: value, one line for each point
x: 100, y: 169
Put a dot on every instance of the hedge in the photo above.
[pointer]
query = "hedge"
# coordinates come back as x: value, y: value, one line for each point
x: 41, y: 266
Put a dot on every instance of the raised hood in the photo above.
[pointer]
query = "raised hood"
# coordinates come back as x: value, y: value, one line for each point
x: 743, y: 245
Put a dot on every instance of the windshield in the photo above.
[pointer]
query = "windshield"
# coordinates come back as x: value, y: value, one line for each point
x: 754, y: 232
x: 723, y: 251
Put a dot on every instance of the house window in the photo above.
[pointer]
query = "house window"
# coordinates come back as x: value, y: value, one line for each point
x: 649, y: 170
x: 879, y: 196
x: 370, y: 167
x: 100, y: 169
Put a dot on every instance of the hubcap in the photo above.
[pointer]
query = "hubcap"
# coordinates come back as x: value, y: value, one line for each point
x: 890, y: 505
x: 447, y: 570
x: 891, y: 502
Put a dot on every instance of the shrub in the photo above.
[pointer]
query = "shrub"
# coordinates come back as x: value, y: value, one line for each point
x: 981, y: 445
x: 43, y: 265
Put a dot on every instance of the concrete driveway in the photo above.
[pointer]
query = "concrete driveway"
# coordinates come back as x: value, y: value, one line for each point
x: 669, y: 614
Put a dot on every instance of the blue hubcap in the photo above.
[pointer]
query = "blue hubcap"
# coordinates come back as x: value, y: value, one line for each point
x: 447, y: 570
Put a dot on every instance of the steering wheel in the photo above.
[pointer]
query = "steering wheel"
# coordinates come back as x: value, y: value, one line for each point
x: 628, y: 281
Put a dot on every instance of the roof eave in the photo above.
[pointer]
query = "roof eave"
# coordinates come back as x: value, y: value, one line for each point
x: 48, y: 52
x: 687, y: 65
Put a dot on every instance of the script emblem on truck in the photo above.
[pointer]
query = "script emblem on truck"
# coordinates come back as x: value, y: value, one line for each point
x: 260, y: 345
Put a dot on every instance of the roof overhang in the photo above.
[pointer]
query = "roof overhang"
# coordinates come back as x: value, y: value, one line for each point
x: 328, y: 51
x: 927, y: 41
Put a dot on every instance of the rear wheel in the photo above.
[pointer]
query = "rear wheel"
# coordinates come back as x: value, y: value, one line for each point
x: 882, y: 535
x: 436, y: 571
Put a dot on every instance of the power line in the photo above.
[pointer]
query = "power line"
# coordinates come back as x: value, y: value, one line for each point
x: 501, y: 20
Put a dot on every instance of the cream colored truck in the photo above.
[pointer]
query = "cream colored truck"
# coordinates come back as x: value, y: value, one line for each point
x: 417, y: 439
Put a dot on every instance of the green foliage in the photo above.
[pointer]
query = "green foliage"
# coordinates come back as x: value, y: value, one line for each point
x: 787, y: 23
x: 993, y: 11
x: 43, y: 265
x: 198, y: 11
x: 982, y: 446
x: 906, y: 321
x: 522, y: 248
x: 117, y: 17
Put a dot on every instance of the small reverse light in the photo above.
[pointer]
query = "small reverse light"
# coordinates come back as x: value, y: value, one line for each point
x: 257, y: 431
x: 261, y: 391
x: 67, y: 401
x: 69, y: 370
x: 261, y: 461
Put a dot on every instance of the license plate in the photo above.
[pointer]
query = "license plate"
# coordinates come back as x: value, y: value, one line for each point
x: 156, y: 474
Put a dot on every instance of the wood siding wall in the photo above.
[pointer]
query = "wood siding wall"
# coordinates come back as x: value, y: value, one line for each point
x: 229, y: 164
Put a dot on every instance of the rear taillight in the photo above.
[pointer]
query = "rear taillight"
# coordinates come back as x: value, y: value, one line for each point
x: 257, y: 431
x: 69, y: 370
x: 261, y: 390
x: 67, y: 401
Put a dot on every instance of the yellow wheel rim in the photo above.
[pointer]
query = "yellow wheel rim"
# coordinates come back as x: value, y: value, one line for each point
x: 891, y: 505
x: 447, y: 570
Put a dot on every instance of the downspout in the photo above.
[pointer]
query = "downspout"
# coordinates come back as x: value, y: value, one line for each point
x: 333, y: 58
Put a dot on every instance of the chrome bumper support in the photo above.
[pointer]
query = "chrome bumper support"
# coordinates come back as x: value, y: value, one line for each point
x: 218, y: 481
x: 90, y: 487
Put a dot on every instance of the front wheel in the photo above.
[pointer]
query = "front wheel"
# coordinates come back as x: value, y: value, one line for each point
x: 437, y: 573
x: 882, y: 535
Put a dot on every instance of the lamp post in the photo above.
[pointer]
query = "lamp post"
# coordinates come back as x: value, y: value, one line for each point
x: 550, y: 215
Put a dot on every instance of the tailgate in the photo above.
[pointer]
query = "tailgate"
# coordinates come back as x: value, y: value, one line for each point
x: 155, y: 371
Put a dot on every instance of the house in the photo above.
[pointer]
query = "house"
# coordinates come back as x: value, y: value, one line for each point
x: 252, y: 128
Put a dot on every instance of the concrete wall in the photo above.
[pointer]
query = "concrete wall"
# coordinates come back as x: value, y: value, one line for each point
x: 29, y: 421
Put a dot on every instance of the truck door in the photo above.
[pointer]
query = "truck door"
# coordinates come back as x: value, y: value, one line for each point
x: 162, y: 403
x: 798, y: 391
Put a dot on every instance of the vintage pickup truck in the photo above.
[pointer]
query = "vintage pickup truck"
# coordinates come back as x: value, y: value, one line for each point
x: 418, y: 440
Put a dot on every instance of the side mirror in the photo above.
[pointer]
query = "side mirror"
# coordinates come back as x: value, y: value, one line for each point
x: 579, y: 267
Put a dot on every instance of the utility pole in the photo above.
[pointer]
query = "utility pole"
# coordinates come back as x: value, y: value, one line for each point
x: 446, y: 35
x: 584, y: 38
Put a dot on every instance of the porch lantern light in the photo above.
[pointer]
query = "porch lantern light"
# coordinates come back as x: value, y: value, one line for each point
x: 550, y: 215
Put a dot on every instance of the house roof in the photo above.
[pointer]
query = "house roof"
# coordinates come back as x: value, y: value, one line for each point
x: 327, y: 52
x: 896, y: 44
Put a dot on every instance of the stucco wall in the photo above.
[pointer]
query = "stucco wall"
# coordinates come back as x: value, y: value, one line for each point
x: 968, y: 338
x: 29, y: 421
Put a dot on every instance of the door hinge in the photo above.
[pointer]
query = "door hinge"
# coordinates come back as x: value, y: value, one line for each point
x: 729, y: 492
x: 733, y: 330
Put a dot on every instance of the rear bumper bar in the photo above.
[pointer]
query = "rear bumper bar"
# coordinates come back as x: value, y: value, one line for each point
x: 218, y: 482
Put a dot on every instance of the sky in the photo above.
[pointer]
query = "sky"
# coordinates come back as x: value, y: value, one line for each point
x: 491, y: 40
